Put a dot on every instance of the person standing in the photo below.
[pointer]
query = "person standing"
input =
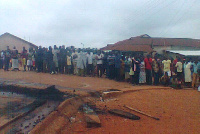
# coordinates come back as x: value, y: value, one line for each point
x: 50, y: 60
x: 195, y: 73
x: 122, y: 66
x: 24, y: 56
x: 174, y: 65
x: 63, y: 56
x: 105, y: 62
x: 166, y: 66
x: 81, y: 64
x: 2, y: 58
x: 45, y: 59
x: 55, y: 59
x: 117, y: 66
x: 99, y: 58
x: 187, y: 73
x: 156, y: 70
x: 7, y: 58
x: 111, y: 66
x: 34, y: 60
x: 179, y: 69
x: 148, y: 68
x: 89, y: 63
x: 75, y: 56
x: 136, y: 68
x: 127, y: 64
x: 94, y: 62
x: 69, y: 64
x: 198, y: 70
x: 15, y: 62
x: 29, y: 61
x: 142, y: 72
x: 40, y: 56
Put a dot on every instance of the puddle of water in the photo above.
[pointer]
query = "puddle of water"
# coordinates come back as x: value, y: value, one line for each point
x: 15, y: 104
x: 27, y: 123
x: 12, y: 105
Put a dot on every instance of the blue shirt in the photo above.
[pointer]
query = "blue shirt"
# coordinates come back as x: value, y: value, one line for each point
x: 195, y: 67
x: 198, y: 65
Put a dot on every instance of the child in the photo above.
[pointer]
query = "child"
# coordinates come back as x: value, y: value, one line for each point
x: 175, y: 82
x: 165, y: 79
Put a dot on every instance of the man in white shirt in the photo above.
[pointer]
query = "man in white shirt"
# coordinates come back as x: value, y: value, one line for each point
x: 99, y: 64
x: 90, y: 65
x: 75, y: 56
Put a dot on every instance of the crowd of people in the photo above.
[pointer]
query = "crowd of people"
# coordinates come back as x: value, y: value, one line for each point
x: 134, y: 68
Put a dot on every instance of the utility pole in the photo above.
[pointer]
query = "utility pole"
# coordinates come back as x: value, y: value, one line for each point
x: 82, y: 44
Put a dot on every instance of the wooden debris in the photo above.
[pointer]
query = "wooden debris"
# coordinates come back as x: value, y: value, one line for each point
x: 110, y: 94
x: 138, y: 111
x: 124, y: 114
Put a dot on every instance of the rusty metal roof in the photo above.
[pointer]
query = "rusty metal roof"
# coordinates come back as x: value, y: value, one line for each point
x: 145, y: 43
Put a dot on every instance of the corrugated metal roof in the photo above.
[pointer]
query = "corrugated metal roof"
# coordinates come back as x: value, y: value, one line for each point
x: 129, y: 47
x: 185, y: 52
x: 145, y: 40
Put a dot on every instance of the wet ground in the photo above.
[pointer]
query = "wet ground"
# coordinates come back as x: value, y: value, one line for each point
x: 12, y: 105
x: 20, y: 113
x: 28, y: 122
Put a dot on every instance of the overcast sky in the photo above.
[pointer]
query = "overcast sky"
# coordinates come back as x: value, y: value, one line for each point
x: 95, y: 23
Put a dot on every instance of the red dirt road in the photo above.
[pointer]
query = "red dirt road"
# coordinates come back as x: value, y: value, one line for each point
x: 70, y: 81
x: 178, y: 110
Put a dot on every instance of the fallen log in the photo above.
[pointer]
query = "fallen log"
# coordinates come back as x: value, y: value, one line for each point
x: 138, y: 111
x: 124, y: 114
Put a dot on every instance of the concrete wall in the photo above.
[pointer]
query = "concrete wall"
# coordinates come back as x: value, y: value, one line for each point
x: 11, y: 42
x: 159, y: 49
x: 184, y: 48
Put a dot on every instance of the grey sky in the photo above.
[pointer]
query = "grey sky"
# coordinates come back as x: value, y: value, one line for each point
x: 96, y: 23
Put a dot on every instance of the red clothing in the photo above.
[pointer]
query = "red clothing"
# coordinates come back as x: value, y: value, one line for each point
x: 175, y: 61
x: 148, y: 63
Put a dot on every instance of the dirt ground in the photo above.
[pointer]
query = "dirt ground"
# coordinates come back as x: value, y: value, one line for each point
x: 70, y: 81
x: 178, y: 110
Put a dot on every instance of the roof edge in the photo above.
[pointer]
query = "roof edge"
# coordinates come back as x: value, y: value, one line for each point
x: 18, y: 39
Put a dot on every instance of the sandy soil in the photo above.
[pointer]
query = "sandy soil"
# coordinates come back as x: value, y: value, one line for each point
x: 178, y: 110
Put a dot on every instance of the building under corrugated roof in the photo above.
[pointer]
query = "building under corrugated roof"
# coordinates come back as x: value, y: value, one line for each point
x: 185, y: 52
x: 146, y: 43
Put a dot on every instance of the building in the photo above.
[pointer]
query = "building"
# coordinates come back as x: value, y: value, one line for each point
x: 10, y: 40
x: 195, y: 54
x: 146, y: 43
